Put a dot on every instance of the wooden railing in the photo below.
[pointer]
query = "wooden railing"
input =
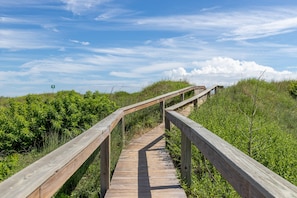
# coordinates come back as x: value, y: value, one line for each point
x: 46, y: 176
x: 248, y: 177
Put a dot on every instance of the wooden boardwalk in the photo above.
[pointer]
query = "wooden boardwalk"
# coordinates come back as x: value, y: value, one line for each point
x: 145, y: 169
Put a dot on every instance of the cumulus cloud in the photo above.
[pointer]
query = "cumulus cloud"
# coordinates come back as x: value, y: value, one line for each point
x: 227, y: 71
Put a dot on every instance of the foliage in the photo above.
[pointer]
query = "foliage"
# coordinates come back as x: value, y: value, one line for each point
x: 293, y: 88
x: 27, y: 123
x: 228, y: 114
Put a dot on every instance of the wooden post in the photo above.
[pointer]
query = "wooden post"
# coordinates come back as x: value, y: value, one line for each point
x: 186, y: 154
x: 123, y: 131
x: 195, y: 102
x: 105, y: 165
x: 162, y: 110
x: 167, y: 124
x: 182, y: 97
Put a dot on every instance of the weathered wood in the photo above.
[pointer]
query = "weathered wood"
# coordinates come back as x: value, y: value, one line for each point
x: 124, y: 130
x: 105, y: 165
x: 162, y: 110
x: 191, y: 100
x: 182, y: 97
x: 156, y: 100
x: 186, y: 154
x: 248, y: 177
x: 167, y: 124
x: 145, y: 169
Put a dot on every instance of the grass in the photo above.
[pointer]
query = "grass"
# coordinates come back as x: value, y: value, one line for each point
x: 257, y: 117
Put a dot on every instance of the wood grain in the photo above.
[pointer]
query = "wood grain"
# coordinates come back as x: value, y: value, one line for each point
x: 145, y: 169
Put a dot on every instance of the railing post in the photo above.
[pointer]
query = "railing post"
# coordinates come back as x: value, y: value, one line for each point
x: 162, y: 110
x: 123, y: 131
x: 182, y: 97
x: 167, y: 124
x: 195, y: 103
x: 186, y: 153
x: 105, y: 165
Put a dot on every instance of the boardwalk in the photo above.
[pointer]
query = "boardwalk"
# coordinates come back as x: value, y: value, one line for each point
x: 145, y: 169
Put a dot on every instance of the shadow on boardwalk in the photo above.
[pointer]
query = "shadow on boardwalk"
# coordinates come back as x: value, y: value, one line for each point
x: 145, y: 169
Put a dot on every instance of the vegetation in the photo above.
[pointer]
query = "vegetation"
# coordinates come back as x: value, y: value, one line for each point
x: 37, y: 123
x: 257, y: 117
x: 33, y: 125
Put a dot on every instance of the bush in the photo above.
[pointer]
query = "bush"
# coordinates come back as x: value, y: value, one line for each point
x: 293, y: 88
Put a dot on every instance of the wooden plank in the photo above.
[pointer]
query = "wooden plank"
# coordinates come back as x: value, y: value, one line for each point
x: 145, y: 169
x: 248, y: 177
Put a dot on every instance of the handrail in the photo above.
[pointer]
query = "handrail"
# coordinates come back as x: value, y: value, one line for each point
x: 248, y: 177
x: 194, y: 98
x: 45, y: 176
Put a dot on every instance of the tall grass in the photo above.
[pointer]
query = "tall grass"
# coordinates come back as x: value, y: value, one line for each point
x: 257, y: 117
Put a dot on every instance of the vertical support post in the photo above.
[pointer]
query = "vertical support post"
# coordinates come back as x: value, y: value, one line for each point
x: 182, y: 97
x: 167, y: 124
x: 105, y: 165
x: 195, y: 102
x: 123, y: 131
x: 162, y: 110
x: 186, y: 154
x: 167, y: 127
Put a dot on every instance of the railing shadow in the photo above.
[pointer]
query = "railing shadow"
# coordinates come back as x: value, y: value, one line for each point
x: 144, y: 187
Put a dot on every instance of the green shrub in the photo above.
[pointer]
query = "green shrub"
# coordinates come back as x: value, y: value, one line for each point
x: 293, y: 88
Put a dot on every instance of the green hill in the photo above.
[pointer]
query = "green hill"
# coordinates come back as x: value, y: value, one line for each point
x: 257, y: 117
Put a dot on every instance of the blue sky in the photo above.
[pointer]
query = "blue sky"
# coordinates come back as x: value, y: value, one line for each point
x: 124, y: 45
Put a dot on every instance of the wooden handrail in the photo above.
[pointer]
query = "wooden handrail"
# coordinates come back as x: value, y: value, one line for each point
x: 248, y: 177
x: 47, y: 175
x: 194, y: 99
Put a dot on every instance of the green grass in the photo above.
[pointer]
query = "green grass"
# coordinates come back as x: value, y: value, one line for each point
x: 257, y: 117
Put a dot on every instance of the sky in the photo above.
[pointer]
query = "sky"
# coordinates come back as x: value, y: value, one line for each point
x: 125, y: 45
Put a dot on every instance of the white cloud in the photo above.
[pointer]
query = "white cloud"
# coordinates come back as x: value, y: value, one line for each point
x: 23, y: 39
x: 227, y: 71
x: 61, y: 66
x: 231, y: 25
x: 113, y: 13
x: 80, y: 42
x: 125, y: 74
x: 78, y: 6
x: 11, y: 20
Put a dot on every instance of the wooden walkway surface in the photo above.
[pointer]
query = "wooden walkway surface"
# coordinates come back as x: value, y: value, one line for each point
x: 145, y: 169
